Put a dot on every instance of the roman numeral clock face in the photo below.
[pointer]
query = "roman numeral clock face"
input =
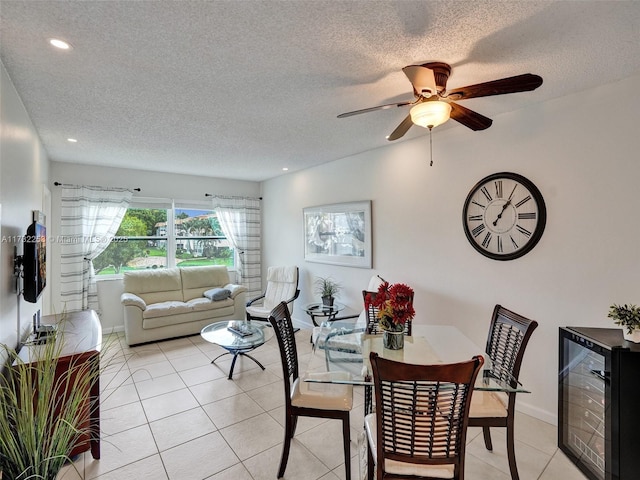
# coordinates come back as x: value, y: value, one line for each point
x: 504, y: 216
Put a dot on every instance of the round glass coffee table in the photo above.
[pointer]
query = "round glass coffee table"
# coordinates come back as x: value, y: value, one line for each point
x: 238, y: 337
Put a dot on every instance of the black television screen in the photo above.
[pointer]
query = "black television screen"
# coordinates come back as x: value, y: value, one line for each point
x: 34, y: 262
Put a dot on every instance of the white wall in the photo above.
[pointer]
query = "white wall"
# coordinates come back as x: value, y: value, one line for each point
x: 152, y: 184
x: 588, y: 257
x: 24, y: 171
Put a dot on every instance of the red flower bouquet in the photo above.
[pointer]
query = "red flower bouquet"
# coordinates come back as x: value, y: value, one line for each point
x: 394, y: 304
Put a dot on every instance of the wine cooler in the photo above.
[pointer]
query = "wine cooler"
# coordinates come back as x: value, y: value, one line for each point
x: 599, y: 402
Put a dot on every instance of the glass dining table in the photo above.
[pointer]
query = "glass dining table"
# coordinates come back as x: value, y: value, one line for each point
x: 344, y: 346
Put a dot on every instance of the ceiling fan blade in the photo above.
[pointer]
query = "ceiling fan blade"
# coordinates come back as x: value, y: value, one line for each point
x: 469, y: 118
x: 401, y: 129
x: 422, y: 79
x: 373, y: 109
x: 519, y: 83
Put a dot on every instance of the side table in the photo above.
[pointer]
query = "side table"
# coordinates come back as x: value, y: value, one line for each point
x: 79, y: 339
x: 327, y: 312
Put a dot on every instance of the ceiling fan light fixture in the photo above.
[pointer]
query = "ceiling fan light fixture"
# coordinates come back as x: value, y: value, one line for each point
x: 431, y: 113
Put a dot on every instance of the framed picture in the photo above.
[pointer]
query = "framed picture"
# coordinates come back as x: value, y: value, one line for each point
x: 339, y: 234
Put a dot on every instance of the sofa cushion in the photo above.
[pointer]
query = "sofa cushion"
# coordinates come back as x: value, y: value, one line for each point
x: 163, y: 309
x: 203, y: 303
x: 217, y: 294
x: 196, y: 280
x: 155, y: 286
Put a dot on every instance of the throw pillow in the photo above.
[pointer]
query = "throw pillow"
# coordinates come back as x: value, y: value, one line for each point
x: 217, y: 294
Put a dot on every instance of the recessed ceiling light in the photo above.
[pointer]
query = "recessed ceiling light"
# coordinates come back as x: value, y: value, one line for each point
x: 285, y: 169
x: 61, y: 44
x: 72, y: 140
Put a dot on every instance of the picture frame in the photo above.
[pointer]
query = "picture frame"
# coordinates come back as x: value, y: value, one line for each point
x: 338, y: 234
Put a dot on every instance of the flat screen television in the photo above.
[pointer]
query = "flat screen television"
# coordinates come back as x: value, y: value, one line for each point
x: 34, y: 262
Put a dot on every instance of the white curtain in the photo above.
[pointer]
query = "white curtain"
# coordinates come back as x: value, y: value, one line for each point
x: 89, y: 218
x: 239, y: 219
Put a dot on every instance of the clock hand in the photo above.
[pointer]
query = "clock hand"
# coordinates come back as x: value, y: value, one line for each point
x: 504, y: 207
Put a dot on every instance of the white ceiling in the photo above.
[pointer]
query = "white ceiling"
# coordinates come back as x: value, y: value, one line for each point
x: 239, y: 89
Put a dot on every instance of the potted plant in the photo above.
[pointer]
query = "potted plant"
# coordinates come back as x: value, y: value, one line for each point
x: 627, y: 316
x: 328, y: 289
x: 44, y: 410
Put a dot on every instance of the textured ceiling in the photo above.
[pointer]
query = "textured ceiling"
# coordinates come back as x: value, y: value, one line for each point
x: 239, y: 89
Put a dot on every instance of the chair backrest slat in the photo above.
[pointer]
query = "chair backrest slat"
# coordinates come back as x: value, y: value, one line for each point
x: 283, y: 328
x: 508, y: 336
x: 422, y: 410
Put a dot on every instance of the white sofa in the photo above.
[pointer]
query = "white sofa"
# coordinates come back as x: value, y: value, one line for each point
x: 174, y: 302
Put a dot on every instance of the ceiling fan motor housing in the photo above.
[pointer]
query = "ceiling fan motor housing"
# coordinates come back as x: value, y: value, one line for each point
x: 441, y: 72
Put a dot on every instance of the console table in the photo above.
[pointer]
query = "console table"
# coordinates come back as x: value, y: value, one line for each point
x: 81, y: 337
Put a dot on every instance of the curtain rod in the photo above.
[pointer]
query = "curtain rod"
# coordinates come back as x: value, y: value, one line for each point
x: 58, y: 184
x: 227, y: 196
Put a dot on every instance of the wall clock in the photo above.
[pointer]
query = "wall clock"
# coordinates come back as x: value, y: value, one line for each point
x: 504, y: 216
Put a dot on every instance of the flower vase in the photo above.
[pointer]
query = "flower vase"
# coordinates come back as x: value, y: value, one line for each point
x: 393, y: 340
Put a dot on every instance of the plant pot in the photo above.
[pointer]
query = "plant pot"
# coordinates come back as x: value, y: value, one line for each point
x: 633, y: 336
x: 393, y: 340
x: 327, y: 301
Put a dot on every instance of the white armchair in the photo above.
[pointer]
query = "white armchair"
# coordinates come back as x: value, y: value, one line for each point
x: 282, y: 286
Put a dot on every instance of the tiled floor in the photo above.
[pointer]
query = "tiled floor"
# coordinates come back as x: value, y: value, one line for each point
x: 168, y: 413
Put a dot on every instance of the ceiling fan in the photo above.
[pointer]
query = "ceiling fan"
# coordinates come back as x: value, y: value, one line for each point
x: 434, y: 105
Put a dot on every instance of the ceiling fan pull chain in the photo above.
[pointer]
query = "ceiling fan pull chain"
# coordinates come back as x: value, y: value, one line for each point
x: 430, y: 147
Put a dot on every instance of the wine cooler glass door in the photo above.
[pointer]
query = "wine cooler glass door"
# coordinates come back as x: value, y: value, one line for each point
x: 583, y: 378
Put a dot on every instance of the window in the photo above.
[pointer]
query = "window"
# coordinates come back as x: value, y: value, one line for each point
x: 199, y: 239
x: 161, y: 234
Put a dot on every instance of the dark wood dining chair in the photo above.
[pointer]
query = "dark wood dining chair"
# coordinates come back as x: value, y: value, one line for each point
x: 307, y: 399
x: 420, y: 424
x: 508, y: 336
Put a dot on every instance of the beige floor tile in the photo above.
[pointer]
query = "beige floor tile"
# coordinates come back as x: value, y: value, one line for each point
x: 169, y: 404
x: 332, y: 476
x: 119, y: 419
x: 253, y: 436
x: 73, y: 471
x: 214, y: 390
x: 199, y: 458
x: 159, y: 385
x: 232, y: 410
x: 236, y: 472
x: 536, y: 433
x: 114, y: 376
x: 325, y: 442
x: 531, y: 462
x: 201, y: 374
x: 302, y: 464
x: 254, y: 378
x: 560, y: 467
x: 477, y: 469
x: 304, y: 423
x: 116, y: 397
x: 180, y: 428
x: 150, y: 468
x: 140, y: 358
x: 152, y: 370
x: 340, y: 472
x: 175, y: 345
x: 121, y: 449
x: 268, y: 396
x: 185, y: 362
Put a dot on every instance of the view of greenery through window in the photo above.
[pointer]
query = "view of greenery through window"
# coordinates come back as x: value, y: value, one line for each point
x: 144, y: 241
